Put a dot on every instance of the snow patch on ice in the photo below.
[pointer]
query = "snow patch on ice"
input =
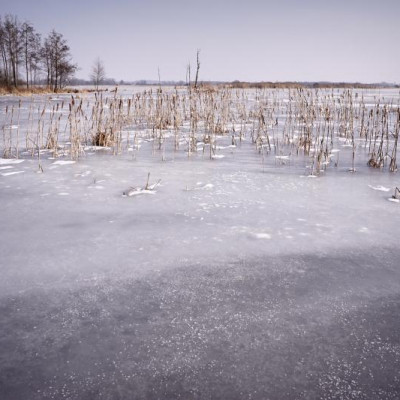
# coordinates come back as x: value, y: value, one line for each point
x: 64, y: 162
x: 12, y: 173
x: 10, y: 161
x: 261, y: 235
x: 282, y: 157
x: 137, y: 191
x: 87, y: 148
x: 208, y: 186
x: 380, y: 188
x: 86, y: 173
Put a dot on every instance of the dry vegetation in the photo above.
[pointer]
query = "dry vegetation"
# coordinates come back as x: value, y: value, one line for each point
x: 22, y: 91
x: 281, y: 124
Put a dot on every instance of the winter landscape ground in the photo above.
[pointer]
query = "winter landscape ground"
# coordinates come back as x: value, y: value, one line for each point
x: 200, y: 244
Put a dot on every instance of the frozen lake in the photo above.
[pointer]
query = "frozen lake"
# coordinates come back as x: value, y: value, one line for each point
x: 247, y: 276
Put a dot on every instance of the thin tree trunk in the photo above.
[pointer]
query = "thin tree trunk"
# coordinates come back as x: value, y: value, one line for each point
x: 26, y: 62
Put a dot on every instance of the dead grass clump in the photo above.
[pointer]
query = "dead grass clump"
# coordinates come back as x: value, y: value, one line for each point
x: 103, y: 139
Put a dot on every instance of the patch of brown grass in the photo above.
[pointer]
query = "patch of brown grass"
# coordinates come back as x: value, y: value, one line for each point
x: 20, y: 91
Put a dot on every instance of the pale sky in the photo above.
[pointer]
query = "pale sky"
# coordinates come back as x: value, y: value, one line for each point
x: 252, y: 40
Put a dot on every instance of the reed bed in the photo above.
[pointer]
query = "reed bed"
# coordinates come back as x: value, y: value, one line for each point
x: 283, y: 124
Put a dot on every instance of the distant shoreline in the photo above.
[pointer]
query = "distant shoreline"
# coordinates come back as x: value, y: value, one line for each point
x: 259, y: 84
x: 22, y: 91
x: 312, y: 85
x: 73, y: 88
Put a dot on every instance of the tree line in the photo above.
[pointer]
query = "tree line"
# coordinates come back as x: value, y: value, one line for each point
x: 27, y: 58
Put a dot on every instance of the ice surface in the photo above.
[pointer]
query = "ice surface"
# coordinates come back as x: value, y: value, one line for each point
x: 325, y: 213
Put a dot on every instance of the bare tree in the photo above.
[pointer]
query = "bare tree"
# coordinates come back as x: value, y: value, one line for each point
x: 57, y: 61
x: 31, y: 43
x: 34, y: 57
x: 98, y: 73
x: 197, y: 68
x: 188, y: 75
x: 11, y: 48
x: 5, y: 77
